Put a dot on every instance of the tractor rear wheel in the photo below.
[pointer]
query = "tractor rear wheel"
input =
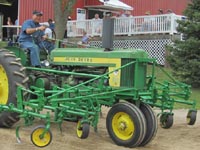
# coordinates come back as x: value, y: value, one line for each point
x: 151, y: 122
x: 12, y: 75
x: 126, y: 125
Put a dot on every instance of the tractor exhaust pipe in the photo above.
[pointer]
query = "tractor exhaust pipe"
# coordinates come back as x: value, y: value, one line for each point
x: 108, y: 32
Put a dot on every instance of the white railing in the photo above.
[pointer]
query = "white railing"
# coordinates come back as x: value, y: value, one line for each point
x: 127, y: 26
x: 15, y: 31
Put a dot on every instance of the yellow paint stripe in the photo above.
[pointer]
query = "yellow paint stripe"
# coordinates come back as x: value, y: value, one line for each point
x: 114, y: 77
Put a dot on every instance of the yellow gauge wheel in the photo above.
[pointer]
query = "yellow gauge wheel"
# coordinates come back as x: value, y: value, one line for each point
x: 4, y: 86
x: 39, y: 139
x: 82, y: 130
x: 188, y: 119
x: 123, y: 126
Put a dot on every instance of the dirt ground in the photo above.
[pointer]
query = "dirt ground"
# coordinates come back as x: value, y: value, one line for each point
x: 179, y: 137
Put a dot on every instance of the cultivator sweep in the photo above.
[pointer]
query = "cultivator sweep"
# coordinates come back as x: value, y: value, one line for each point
x: 78, y: 83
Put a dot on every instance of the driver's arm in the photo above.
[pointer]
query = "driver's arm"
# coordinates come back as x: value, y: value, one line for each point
x: 32, y: 30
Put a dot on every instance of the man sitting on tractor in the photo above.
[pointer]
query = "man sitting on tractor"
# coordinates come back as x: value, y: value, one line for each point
x: 32, y: 37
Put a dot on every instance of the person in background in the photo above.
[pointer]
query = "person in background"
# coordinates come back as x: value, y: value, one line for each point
x: 48, y: 44
x: 70, y: 30
x: 97, y: 24
x: 84, y: 43
x: 160, y: 20
x: 17, y: 22
x: 169, y: 11
x: 126, y: 13
x: 169, y: 19
x: 149, y: 22
x: 85, y: 38
x: 126, y: 22
x: 160, y: 12
x: 17, y: 28
x: 9, y: 29
x: 48, y: 32
x: 31, y: 36
x: 51, y: 24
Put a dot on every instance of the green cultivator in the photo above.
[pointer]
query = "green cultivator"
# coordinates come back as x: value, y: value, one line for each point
x: 78, y: 82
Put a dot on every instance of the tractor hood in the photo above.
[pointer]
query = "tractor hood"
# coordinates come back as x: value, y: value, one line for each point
x: 97, y: 53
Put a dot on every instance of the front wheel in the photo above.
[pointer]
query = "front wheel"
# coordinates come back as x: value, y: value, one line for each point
x: 126, y: 125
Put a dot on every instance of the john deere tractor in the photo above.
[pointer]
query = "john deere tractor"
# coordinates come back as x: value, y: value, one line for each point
x: 74, y: 83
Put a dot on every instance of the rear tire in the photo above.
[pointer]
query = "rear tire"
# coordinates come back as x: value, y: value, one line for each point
x: 126, y: 125
x: 151, y: 122
x: 14, y: 76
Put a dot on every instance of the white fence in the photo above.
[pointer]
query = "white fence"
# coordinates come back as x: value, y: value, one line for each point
x: 154, y: 47
x: 127, y: 26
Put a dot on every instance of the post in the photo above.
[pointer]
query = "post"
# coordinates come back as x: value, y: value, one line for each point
x: 129, y: 28
x: 1, y: 27
x: 172, y: 23
x: 93, y: 28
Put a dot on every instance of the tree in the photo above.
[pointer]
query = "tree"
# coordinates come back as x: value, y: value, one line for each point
x: 62, y: 9
x: 185, y: 55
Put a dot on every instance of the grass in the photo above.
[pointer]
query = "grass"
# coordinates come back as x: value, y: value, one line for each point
x: 160, y: 76
x: 3, y: 44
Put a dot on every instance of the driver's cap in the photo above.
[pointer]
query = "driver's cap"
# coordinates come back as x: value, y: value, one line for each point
x: 37, y: 13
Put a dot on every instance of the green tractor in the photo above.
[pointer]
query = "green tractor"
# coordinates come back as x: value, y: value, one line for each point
x: 75, y: 83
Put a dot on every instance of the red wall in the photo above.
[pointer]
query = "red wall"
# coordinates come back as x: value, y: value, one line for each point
x: 46, y: 6
x: 79, y: 4
x: 28, y: 6
x: 92, y: 2
x: 141, y: 6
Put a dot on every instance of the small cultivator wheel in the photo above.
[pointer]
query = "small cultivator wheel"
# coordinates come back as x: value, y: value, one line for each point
x: 166, y: 120
x: 126, y: 125
x: 12, y: 75
x: 38, y: 140
x: 151, y: 122
x: 191, y: 117
x: 82, y: 130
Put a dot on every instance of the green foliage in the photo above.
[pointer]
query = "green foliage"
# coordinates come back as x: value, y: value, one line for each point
x: 184, y: 56
x: 70, y: 5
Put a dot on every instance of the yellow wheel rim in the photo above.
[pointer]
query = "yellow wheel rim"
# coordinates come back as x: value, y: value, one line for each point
x: 188, y: 119
x: 37, y: 140
x: 123, y: 126
x: 4, y: 87
x: 79, y: 130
